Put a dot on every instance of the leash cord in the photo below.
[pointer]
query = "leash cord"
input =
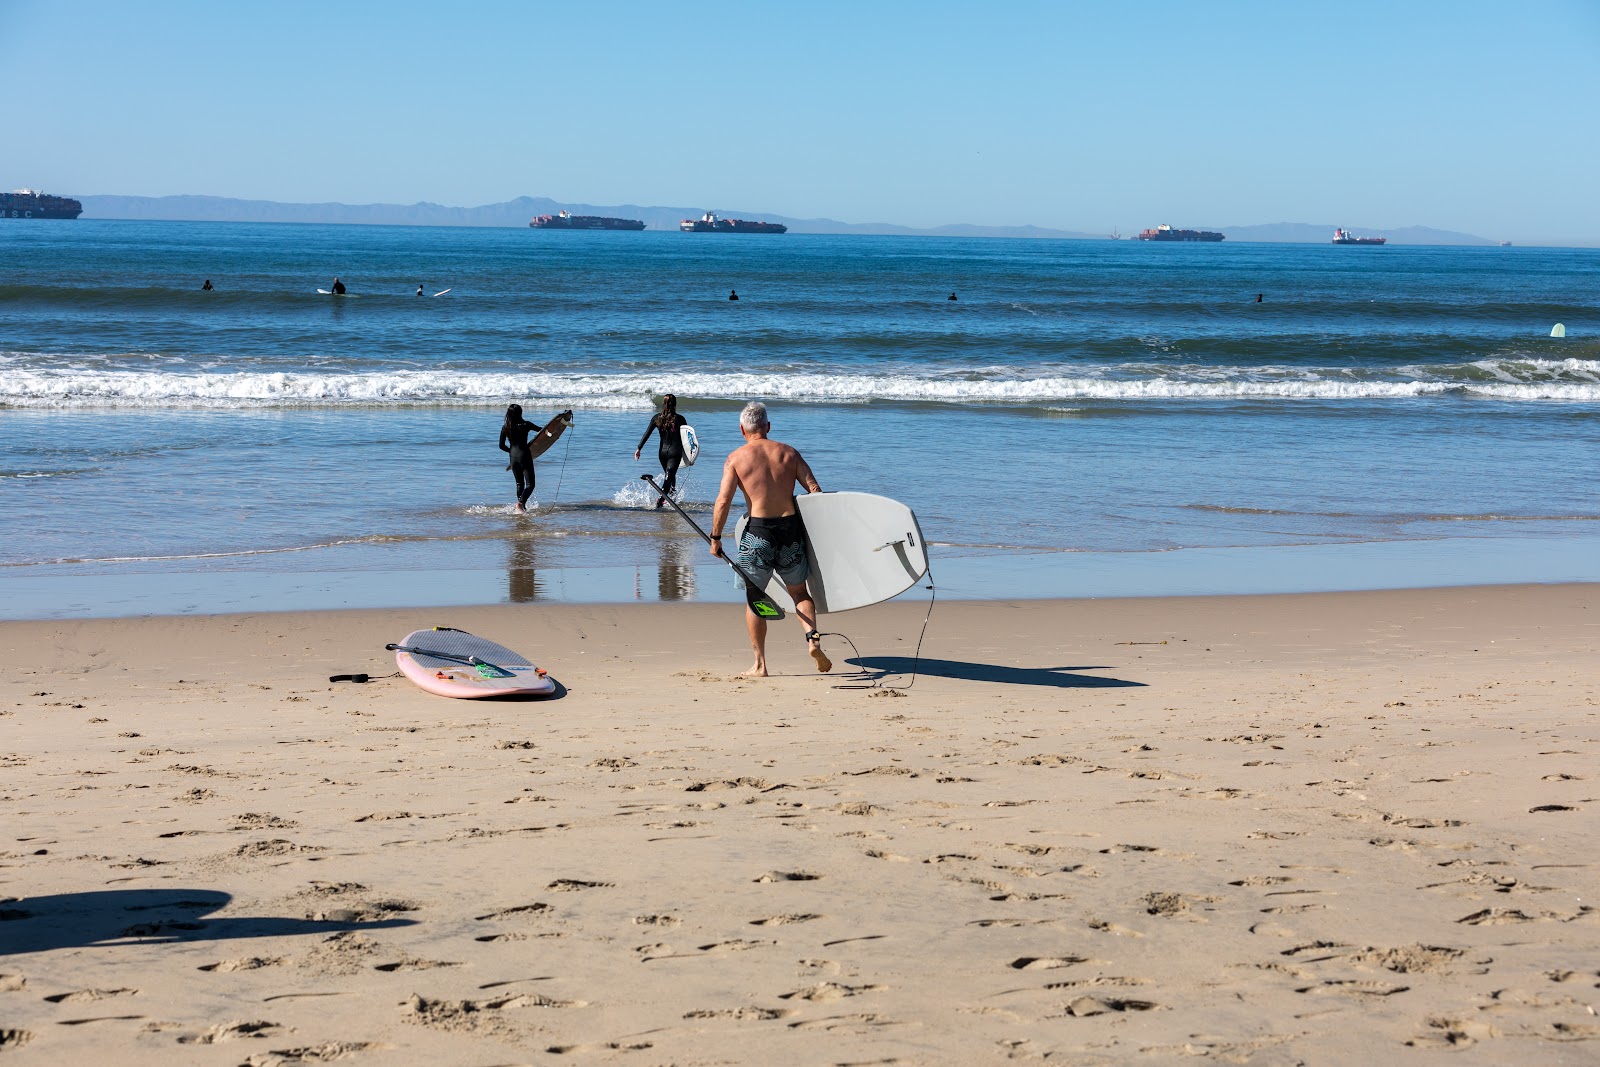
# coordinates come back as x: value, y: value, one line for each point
x: 916, y: 659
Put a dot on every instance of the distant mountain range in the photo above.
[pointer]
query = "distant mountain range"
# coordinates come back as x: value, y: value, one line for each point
x: 518, y: 212
x: 511, y: 213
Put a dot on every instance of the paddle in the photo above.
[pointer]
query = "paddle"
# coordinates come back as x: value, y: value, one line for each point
x: 759, y: 602
x: 471, y: 661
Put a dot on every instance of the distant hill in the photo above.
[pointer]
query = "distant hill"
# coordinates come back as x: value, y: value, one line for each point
x: 1305, y: 233
x: 511, y: 213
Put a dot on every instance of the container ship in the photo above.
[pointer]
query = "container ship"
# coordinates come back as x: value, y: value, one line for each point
x: 709, y: 223
x: 28, y: 204
x: 566, y: 220
x: 1345, y: 237
x: 1167, y: 233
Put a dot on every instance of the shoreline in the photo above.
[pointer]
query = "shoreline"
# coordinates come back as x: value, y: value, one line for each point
x: 49, y: 591
x: 1327, y: 827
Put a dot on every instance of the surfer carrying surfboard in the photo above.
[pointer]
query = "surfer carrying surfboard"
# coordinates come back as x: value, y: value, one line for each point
x: 774, y: 539
x: 514, y: 439
x: 670, y: 425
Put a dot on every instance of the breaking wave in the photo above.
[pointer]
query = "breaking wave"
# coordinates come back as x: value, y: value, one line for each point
x: 79, y: 386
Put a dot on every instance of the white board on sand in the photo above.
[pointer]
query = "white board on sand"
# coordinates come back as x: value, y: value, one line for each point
x: 863, y: 550
x: 1558, y: 330
x: 691, y: 444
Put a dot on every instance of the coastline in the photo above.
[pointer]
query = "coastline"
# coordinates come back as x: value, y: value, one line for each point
x: 1258, y: 828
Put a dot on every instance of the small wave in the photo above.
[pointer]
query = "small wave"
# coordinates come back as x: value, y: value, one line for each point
x: 235, y: 553
x: 1508, y: 379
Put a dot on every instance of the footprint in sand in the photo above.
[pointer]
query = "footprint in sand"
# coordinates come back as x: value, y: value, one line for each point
x: 787, y: 876
x: 1046, y: 963
x: 81, y: 995
x: 1087, y: 1007
x: 309, y: 1055
x: 246, y: 963
x: 828, y: 991
x: 574, y: 885
x: 781, y: 920
x: 521, y: 911
x: 599, y: 1046
x: 230, y: 1032
x: 741, y: 1014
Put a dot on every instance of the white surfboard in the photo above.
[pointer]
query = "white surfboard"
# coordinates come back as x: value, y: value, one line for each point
x: 864, y: 549
x: 1558, y: 330
x: 441, y: 292
x: 691, y: 444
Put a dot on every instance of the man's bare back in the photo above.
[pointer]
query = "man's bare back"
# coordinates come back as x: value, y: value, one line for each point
x: 766, y: 471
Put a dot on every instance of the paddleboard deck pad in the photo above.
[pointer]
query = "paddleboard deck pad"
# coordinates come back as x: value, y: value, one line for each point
x: 541, y: 442
x: 499, y: 671
x: 691, y: 444
x: 863, y: 549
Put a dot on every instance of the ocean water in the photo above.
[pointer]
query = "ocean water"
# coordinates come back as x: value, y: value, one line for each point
x: 1086, y: 417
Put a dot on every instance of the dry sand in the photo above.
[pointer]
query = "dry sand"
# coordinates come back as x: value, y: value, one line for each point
x: 1332, y: 829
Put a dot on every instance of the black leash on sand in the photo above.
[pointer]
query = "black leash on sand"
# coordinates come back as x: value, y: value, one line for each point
x: 916, y: 658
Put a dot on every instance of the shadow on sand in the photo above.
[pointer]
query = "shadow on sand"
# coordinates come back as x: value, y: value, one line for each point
x: 1052, y: 677
x: 123, y: 916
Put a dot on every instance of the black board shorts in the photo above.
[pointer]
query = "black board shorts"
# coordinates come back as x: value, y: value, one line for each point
x: 775, y: 545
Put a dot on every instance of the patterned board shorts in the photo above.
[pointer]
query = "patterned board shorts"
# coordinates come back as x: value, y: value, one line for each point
x: 779, y: 545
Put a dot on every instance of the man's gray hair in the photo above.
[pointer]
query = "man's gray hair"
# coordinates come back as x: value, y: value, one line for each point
x: 754, y: 416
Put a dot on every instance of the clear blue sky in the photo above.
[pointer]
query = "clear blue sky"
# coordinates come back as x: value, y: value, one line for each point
x: 1464, y: 115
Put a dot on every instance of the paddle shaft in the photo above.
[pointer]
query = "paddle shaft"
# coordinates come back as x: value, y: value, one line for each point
x: 471, y: 661
x: 755, y: 596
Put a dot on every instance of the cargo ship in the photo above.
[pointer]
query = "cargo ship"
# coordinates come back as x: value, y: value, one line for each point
x: 28, y: 204
x: 566, y: 220
x: 1345, y: 237
x: 709, y: 223
x: 1167, y: 233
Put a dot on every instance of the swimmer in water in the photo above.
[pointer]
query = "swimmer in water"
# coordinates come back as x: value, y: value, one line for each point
x: 670, y: 425
x: 338, y: 286
x: 733, y: 294
x: 514, y: 435
x: 207, y: 287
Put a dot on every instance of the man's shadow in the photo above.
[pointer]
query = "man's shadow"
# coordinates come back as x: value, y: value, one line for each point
x: 120, y: 916
x: 1052, y: 677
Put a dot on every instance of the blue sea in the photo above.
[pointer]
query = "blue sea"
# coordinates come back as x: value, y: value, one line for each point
x: 1086, y: 418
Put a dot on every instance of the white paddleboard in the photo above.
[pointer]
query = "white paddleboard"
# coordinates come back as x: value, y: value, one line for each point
x: 691, y: 444
x: 500, y: 672
x: 864, y: 549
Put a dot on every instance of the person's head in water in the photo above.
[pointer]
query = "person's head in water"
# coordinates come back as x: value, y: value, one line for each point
x: 733, y: 294
x: 753, y: 419
x: 513, y: 414
x: 669, y: 407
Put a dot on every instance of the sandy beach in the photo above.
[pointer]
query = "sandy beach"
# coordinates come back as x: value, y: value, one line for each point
x: 1324, y: 829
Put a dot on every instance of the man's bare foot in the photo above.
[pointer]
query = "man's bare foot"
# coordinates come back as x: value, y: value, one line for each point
x: 758, y: 671
x: 824, y: 664
x: 522, y: 507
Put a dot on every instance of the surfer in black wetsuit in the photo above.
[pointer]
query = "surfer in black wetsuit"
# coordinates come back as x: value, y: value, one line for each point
x: 419, y: 288
x: 514, y: 439
x: 338, y: 287
x: 952, y: 296
x: 207, y: 287
x: 670, y: 425
x: 733, y: 294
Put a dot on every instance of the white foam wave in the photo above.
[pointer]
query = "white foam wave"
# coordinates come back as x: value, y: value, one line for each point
x: 1571, y: 379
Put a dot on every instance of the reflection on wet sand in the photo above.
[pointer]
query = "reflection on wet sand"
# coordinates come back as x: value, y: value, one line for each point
x: 675, y: 571
x: 522, y: 580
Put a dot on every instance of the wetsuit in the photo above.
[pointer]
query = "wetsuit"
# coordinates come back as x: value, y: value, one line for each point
x: 514, y: 439
x: 671, y: 451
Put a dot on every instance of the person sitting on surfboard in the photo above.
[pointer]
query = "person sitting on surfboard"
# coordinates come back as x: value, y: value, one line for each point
x: 514, y: 434
x: 338, y: 287
x: 774, y: 539
x: 670, y: 425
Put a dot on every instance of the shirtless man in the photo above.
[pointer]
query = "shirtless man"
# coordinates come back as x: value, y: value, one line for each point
x: 774, y: 540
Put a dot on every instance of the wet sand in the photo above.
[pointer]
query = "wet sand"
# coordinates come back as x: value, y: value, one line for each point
x: 1332, y: 828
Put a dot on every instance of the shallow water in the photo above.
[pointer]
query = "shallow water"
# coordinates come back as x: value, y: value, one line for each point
x: 1079, y: 397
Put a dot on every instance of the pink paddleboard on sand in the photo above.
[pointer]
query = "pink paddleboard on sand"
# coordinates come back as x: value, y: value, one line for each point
x: 454, y: 663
